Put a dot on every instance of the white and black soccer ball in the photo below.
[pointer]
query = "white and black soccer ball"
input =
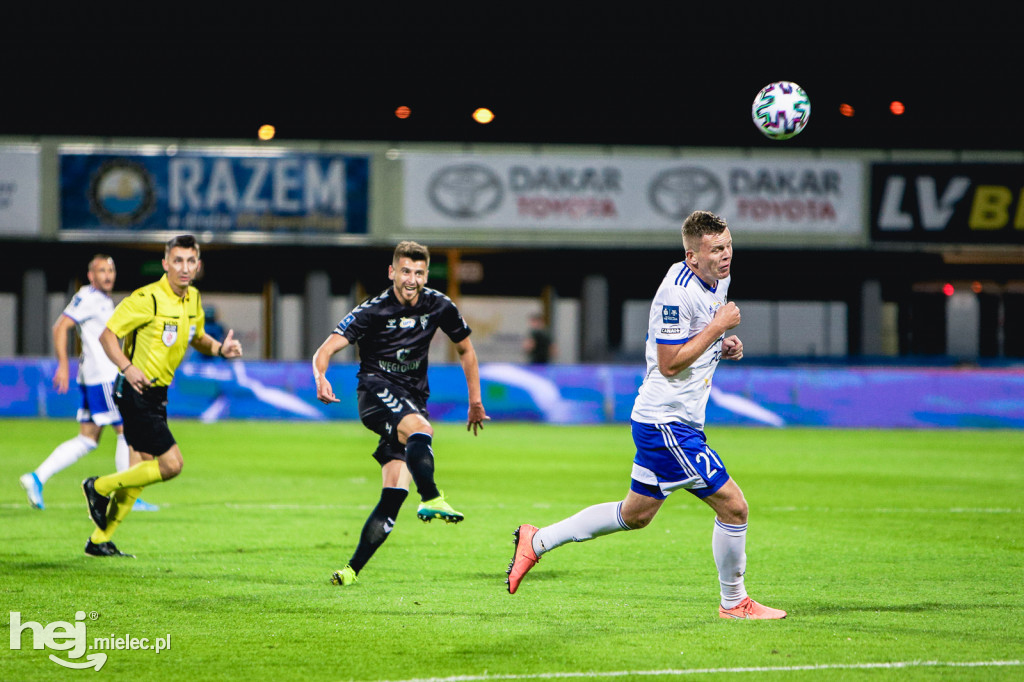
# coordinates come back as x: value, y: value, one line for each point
x: 781, y: 110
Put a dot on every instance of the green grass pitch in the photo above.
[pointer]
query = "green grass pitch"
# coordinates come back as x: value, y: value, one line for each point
x: 898, y: 554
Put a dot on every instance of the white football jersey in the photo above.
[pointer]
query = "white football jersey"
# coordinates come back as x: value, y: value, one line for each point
x: 682, y: 308
x: 90, y: 309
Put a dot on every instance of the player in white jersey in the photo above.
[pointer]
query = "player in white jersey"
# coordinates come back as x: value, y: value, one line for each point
x: 686, y: 339
x: 89, y: 311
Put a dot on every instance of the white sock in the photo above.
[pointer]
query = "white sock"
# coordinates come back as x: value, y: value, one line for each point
x: 592, y: 522
x: 121, y: 457
x: 64, y: 455
x: 729, y: 546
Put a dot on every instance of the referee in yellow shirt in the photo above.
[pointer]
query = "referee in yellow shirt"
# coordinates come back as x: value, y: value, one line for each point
x: 146, y: 338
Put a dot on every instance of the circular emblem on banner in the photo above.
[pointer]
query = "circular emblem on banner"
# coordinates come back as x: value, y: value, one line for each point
x: 121, y: 193
x: 678, y: 192
x: 465, y: 191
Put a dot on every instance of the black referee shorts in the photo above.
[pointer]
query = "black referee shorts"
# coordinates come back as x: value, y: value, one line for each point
x: 145, y: 417
x: 382, y: 405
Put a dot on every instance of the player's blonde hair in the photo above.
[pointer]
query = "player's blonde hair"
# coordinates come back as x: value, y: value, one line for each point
x: 698, y: 224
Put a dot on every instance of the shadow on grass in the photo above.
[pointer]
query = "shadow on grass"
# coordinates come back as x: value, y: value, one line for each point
x: 12, y: 566
x: 533, y: 577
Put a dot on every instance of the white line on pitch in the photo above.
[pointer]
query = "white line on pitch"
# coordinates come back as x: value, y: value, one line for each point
x: 709, y: 671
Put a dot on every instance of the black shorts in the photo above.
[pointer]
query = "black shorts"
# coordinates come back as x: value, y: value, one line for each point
x: 145, y: 418
x: 382, y: 405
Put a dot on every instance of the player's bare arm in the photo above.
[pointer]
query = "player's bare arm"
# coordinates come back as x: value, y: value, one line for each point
x: 467, y: 356
x: 321, y: 359
x: 673, y: 359
x: 132, y: 374
x: 61, y: 328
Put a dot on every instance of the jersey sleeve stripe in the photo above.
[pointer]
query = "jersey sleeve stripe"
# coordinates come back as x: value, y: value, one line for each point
x: 435, y: 292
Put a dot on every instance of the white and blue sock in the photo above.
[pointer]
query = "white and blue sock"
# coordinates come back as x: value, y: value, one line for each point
x: 122, y: 459
x: 592, y: 522
x: 64, y: 455
x: 729, y: 546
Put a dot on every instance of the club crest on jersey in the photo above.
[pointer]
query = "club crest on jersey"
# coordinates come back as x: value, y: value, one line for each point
x: 424, y: 320
x: 407, y: 323
x: 170, y: 334
x: 713, y: 308
x: 402, y: 355
x: 670, y: 314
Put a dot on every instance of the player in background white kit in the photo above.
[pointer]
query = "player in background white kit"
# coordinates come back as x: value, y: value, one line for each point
x: 89, y: 310
x: 686, y: 340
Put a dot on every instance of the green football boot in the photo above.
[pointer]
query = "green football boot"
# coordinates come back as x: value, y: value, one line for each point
x: 345, y: 576
x: 437, y: 508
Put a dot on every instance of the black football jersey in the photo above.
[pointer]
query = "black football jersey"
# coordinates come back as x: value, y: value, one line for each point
x: 394, y: 339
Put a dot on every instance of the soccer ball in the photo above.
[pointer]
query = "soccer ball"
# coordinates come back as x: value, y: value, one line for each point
x: 781, y: 110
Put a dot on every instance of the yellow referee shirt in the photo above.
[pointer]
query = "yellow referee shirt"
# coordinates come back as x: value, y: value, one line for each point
x: 156, y: 327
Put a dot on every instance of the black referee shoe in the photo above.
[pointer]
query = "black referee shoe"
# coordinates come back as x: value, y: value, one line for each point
x: 104, y: 549
x: 97, y: 503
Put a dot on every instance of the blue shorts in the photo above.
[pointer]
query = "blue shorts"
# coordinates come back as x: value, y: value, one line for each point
x: 673, y: 456
x: 98, y: 405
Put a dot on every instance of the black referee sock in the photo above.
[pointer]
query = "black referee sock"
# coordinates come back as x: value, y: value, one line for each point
x: 378, y: 526
x: 419, y: 457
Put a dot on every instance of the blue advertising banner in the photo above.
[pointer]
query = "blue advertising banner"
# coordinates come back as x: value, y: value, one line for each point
x: 222, y: 191
x: 854, y: 397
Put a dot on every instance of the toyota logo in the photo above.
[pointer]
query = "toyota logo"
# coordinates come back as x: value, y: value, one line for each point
x: 465, y: 191
x: 678, y: 192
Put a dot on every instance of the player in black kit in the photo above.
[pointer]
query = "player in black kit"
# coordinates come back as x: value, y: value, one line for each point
x: 393, y: 331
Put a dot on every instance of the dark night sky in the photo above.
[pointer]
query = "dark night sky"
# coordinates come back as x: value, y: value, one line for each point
x: 666, y: 74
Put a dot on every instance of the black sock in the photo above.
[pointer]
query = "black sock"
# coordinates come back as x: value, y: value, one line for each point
x: 419, y: 457
x: 378, y: 526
